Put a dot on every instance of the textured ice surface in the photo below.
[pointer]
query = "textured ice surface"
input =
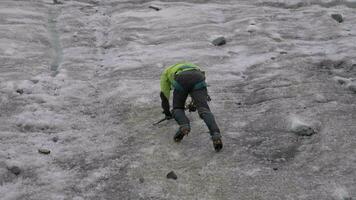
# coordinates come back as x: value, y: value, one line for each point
x: 87, y: 73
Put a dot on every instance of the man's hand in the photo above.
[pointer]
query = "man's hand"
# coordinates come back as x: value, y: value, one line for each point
x: 168, y: 115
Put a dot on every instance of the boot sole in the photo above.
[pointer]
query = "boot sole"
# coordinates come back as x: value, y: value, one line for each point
x: 217, y: 145
x: 180, y: 139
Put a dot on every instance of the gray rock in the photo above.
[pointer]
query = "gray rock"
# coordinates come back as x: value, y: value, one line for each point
x: 172, y: 175
x: 337, y: 17
x: 352, y: 86
x: 14, y: 169
x: 302, y: 129
x: 320, y: 98
x: 44, y: 151
x: 219, y: 41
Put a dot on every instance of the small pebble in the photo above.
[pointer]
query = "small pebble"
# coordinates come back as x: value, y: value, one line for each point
x: 15, y: 170
x: 337, y: 17
x: 55, y: 139
x: 172, y: 175
x: 155, y: 8
x: 142, y: 180
x: 219, y: 41
x: 275, y: 168
x: 34, y: 81
x: 320, y: 98
x: 44, y: 151
x: 352, y: 87
x: 20, y: 91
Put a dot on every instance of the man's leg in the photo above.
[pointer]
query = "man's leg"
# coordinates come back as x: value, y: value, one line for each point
x: 200, y: 98
x: 179, y: 98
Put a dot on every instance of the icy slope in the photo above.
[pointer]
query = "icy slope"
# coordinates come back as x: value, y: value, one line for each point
x: 81, y: 79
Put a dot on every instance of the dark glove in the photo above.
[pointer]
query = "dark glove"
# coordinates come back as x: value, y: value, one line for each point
x: 168, y: 115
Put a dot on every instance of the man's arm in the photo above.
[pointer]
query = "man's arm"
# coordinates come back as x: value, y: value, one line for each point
x: 165, y: 93
x: 165, y: 105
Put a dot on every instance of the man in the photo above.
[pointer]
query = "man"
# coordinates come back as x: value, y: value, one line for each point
x: 187, y: 79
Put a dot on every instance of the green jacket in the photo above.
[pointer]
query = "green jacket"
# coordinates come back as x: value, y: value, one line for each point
x: 167, y: 77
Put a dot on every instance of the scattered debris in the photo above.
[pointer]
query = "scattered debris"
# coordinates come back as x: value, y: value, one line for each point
x: 14, y: 169
x: 219, y: 41
x: 44, y: 151
x: 155, y: 8
x: 172, y: 175
x: 337, y: 17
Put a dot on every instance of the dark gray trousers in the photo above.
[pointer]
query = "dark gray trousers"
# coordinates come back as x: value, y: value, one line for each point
x: 187, y: 80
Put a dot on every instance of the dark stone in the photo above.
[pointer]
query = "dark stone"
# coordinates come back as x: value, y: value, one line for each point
x: 35, y: 81
x: 219, y: 41
x: 15, y: 170
x: 273, y: 58
x: 275, y: 168
x: 44, y: 151
x: 337, y: 17
x: 57, y: 2
x: 172, y: 175
x: 142, y: 180
x: 20, y: 91
x: 352, y: 87
x: 283, y: 52
x: 155, y: 8
x: 55, y: 139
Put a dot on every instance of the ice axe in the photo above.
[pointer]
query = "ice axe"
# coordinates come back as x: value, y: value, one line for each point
x: 156, y: 123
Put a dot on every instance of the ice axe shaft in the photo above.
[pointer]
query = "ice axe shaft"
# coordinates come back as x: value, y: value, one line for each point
x: 164, y: 119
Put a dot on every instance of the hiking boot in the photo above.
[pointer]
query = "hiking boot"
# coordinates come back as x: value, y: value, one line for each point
x: 217, y: 142
x: 181, y: 133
